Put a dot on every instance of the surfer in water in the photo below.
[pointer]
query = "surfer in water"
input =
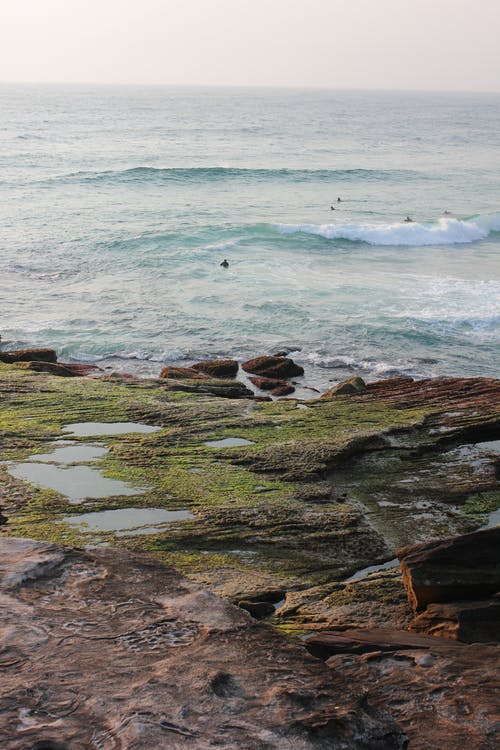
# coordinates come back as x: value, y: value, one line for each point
x: 339, y: 200
x: 332, y: 208
x: 408, y: 220
x: 225, y: 263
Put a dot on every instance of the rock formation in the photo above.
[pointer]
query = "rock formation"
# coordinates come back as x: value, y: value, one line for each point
x: 109, y: 650
x: 273, y: 367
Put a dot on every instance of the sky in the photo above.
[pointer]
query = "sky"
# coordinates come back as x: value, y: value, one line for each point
x: 381, y: 44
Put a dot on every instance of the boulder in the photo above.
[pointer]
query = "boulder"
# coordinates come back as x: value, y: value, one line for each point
x: 182, y: 373
x: 267, y: 384
x: 29, y: 355
x: 218, y: 368
x: 346, y: 387
x: 470, y: 622
x: 453, y: 569
x: 273, y: 367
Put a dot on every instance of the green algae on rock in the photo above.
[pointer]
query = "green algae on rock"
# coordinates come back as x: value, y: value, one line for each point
x: 295, y: 507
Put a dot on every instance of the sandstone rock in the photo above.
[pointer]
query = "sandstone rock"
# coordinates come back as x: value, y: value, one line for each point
x: 273, y: 367
x: 107, y: 649
x: 347, y: 387
x: 80, y: 369
x: 461, y: 567
x: 50, y: 367
x: 470, y: 622
x: 283, y: 390
x: 444, y: 694
x: 203, y: 384
x: 29, y: 355
x: 267, y: 384
x: 218, y: 368
x: 182, y: 373
x: 326, y: 644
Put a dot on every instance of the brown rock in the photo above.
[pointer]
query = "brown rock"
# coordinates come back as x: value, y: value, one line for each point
x: 109, y: 649
x: 29, y: 355
x: 470, y: 622
x: 49, y: 367
x: 218, y: 368
x: 273, y: 367
x: 77, y: 368
x: 283, y: 390
x: 347, y: 387
x: 267, y: 384
x: 182, y: 373
x: 326, y: 644
x: 203, y: 384
x: 461, y: 567
x: 443, y: 695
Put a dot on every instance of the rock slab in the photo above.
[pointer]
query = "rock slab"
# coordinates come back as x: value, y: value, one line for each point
x: 109, y: 650
x: 446, y: 570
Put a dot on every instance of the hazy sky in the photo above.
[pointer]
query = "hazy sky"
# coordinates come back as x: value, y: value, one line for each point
x: 406, y: 44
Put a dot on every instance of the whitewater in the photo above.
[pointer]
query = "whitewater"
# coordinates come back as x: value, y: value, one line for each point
x: 118, y: 204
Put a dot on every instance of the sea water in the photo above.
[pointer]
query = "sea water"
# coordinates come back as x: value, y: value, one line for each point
x: 118, y: 204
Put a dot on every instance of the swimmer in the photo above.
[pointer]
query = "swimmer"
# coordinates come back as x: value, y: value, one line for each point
x: 408, y: 220
x: 225, y: 264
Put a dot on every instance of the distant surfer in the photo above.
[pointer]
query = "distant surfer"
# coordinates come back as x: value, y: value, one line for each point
x: 339, y: 200
x: 446, y: 213
x: 225, y: 263
x: 332, y: 208
x: 408, y: 220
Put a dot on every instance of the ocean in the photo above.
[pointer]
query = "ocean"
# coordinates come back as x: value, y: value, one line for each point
x: 118, y: 204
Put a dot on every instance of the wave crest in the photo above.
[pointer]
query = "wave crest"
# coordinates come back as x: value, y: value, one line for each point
x: 202, y: 174
x: 446, y: 231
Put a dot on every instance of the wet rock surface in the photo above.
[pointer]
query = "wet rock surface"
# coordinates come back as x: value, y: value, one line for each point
x: 218, y: 368
x: 299, y: 500
x: 273, y: 367
x: 110, y: 650
x: 28, y: 355
x: 352, y: 385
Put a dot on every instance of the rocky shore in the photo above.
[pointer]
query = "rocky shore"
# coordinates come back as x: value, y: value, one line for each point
x: 295, y: 511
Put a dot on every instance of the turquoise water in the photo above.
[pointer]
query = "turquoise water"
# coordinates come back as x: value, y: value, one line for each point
x: 117, y: 205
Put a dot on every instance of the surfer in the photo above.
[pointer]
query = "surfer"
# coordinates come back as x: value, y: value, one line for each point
x: 225, y: 263
x: 332, y: 208
x: 408, y: 220
x: 446, y: 213
x: 339, y: 200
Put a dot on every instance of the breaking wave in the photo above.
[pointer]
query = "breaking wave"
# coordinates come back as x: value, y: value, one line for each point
x: 446, y: 231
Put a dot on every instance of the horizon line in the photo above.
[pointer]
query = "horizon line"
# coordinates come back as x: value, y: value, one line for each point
x: 304, y: 87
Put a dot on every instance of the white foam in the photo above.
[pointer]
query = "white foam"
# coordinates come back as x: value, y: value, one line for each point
x: 446, y: 231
